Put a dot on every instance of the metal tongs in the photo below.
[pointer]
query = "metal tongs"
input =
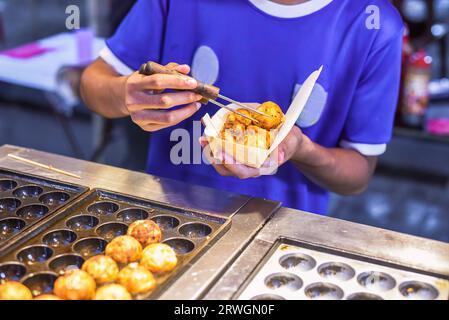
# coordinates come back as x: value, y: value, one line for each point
x: 209, y: 93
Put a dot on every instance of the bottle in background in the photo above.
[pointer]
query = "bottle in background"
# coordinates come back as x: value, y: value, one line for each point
x: 416, y: 89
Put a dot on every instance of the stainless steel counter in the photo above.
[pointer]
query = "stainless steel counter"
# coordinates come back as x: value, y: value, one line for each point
x: 224, y: 267
x: 253, y: 213
x: 390, y: 247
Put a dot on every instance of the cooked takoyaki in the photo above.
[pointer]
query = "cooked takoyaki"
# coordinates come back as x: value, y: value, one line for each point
x: 240, y: 130
x: 113, y: 292
x: 75, y: 285
x: 268, y: 123
x: 13, y: 290
x: 137, y: 279
x: 145, y: 231
x: 159, y: 258
x: 102, y: 268
x: 124, y: 249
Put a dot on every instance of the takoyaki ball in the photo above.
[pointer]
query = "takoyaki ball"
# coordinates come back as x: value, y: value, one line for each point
x: 113, y: 292
x: 137, y: 279
x: 245, y: 121
x: 145, y: 231
x: 257, y: 137
x: 159, y: 258
x: 47, y: 297
x: 75, y: 285
x: 13, y: 290
x: 268, y: 123
x: 102, y: 268
x: 124, y: 249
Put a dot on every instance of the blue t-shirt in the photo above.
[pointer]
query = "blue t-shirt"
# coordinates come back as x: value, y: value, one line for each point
x: 256, y: 51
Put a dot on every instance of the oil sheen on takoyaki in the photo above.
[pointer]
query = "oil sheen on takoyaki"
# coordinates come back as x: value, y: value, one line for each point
x: 13, y: 290
x: 102, y: 268
x: 145, y: 231
x: 75, y: 285
x: 137, y: 279
x: 159, y: 258
x: 124, y: 249
x: 112, y: 292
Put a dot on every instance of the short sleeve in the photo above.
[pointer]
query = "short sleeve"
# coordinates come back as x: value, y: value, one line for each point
x: 369, y: 125
x: 139, y: 37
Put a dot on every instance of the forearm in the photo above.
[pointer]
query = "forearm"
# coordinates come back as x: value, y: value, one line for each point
x: 103, y: 90
x: 341, y: 171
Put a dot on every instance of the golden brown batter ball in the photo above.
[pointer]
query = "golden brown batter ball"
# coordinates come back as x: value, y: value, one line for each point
x: 113, y: 292
x: 245, y: 121
x: 75, y: 285
x: 145, y: 231
x: 47, y: 297
x: 13, y: 290
x: 272, y: 109
x: 102, y: 268
x: 124, y: 249
x: 137, y: 279
x: 159, y: 258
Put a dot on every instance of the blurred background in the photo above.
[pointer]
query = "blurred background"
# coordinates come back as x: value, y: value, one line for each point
x: 40, y: 66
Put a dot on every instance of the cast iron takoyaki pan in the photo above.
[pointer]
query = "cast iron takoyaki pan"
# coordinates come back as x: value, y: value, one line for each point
x: 85, y: 228
x: 297, y: 271
x: 26, y: 200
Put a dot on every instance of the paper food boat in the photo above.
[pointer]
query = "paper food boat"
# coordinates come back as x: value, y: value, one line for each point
x: 252, y: 156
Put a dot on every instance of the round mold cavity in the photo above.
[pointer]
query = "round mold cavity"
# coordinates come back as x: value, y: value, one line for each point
x: 195, y: 230
x: 284, y: 281
x: 112, y: 230
x: 7, y: 185
x: 66, y: 262
x: 180, y: 245
x: 32, y: 212
x: 82, y: 223
x: 54, y: 198
x: 12, y: 271
x: 28, y: 192
x: 35, y: 254
x: 166, y: 222
x: 40, y: 283
x: 9, y: 205
x: 59, y: 238
x: 324, y: 291
x: 297, y: 261
x: 267, y: 297
x: 415, y: 290
x: 336, y: 271
x: 104, y: 208
x: 90, y: 247
x: 376, y: 281
x: 364, y: 296
x: 10, y: 227
x: 132, y: 215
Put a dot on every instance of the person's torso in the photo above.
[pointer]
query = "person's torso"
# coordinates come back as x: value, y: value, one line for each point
x: 255, y: 57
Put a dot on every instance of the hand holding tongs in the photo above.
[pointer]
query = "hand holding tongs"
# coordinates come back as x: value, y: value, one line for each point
x: 209, y: 92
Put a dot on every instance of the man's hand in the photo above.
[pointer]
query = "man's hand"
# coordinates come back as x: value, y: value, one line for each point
x: 342, y: 171
x: 227, y: 166
x: 149, y: 106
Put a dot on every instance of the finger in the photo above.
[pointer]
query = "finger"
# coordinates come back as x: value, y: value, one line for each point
x: 184, y: 68
x: 165, y: 118
x: 162, y: 82
x: 164, y: 101
x: 239, y: 170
